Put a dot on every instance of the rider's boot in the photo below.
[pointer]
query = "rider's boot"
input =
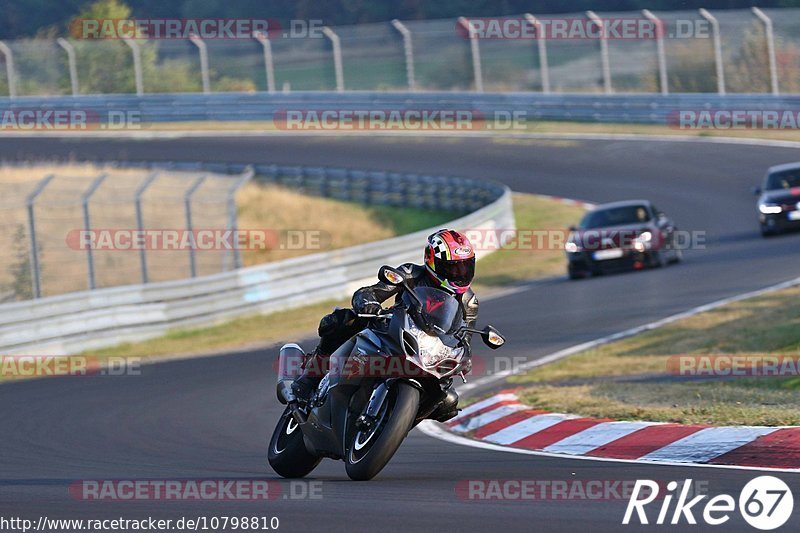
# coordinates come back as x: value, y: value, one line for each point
x: 313, y: 372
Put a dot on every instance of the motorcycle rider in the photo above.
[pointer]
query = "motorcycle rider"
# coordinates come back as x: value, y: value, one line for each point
x: 449, y: 265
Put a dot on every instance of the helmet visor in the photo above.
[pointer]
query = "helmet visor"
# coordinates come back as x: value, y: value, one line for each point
x: 459, y: 273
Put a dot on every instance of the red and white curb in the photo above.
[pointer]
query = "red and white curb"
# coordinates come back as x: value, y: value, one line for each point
x: 503, y: 421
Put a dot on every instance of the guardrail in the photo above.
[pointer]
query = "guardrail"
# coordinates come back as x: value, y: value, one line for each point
x: 132, y: 110
x: 93, y: 319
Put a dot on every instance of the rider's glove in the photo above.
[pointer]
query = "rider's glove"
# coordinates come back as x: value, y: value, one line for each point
x: 370, y: 308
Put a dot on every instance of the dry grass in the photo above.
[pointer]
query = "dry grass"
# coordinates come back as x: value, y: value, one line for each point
x: 524, y: 259
x: 723, y: 403
x: 338, y: 224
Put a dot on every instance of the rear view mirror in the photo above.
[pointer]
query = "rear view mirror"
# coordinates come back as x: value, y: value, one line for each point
x: 391, y: 276
x: 756, y: 190
x: 572, y: 228
x: 492, y: 338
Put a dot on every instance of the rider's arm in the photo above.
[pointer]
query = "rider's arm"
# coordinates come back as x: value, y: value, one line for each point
x: 372, y: 295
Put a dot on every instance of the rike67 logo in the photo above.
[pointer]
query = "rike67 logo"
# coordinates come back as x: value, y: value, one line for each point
x: 765, y: 503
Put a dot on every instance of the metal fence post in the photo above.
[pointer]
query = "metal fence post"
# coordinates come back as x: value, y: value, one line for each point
x: 337, y: 57
x: 140, y: 221
x: 268, y: 66
x: 137, y: 65
x: 409, y: 53
x: 72, y: 62
x: 87, y: 226
x: 541, y: 44
x: 717, y: 49
x: 476, y: 53
x: 660, y: 53
x: 770, y: 36
x: 603, y: 51
x: 187, y: 204
x: 203, y: 50
x: 36, y: 271
x: 11, y: 72
x: 246, y: 176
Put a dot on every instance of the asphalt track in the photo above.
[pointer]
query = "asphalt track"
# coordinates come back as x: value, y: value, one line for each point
x: 211, y: 417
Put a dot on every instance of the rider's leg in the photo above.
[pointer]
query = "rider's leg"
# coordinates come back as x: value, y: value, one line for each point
x: 334, y: 329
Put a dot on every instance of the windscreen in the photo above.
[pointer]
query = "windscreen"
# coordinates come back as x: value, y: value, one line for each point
x: 783, y: 180
x: 440, y: 309
x: 616, y: 216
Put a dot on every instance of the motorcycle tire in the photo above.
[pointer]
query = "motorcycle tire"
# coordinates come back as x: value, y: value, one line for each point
x: 368, y: 452
x: 287, y: 454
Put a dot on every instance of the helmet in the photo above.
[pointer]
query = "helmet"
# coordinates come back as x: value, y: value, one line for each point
x: 450, y: 260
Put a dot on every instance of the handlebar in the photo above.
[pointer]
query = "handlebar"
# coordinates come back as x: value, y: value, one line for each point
x: 380, y: 315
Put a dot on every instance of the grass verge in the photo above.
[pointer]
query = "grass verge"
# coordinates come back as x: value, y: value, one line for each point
x: 634, y: 378
x: 529, y: 257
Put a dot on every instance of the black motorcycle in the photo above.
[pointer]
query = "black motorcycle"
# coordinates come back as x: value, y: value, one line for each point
x: 381, y: 383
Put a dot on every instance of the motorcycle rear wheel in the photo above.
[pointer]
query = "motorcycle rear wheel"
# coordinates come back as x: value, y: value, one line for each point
x: 369, y: 451
x: 287, y: 454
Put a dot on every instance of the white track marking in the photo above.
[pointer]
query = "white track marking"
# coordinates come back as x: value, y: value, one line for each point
x: 522, y: 429
x: 488, y: 417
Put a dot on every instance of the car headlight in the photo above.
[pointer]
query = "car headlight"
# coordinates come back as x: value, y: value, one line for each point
x: 643, y: 241
x: 770, y: 209
x: 571, y: 247
x: 431, y: 349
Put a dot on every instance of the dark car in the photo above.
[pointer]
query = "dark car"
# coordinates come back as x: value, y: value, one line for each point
x: 621, y: 236
x: 779, y: 199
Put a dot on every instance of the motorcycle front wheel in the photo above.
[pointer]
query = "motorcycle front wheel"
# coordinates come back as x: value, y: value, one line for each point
x: 369, y: 450
x: 287, y: 454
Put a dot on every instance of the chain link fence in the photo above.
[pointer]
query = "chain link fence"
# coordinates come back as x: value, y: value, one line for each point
x: 434, y: 55
x: 48, y: 220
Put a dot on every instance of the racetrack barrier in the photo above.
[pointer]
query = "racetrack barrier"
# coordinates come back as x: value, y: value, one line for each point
x: 111, y: 112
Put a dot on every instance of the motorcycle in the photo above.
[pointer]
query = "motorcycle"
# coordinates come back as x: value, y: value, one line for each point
x: 381, y: 383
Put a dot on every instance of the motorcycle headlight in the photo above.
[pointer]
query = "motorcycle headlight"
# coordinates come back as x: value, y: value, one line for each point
x: 431, y: 349
x: 770, y: 209
x: 571, y: 247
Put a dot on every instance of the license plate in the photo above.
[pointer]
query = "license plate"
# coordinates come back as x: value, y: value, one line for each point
x: 613, y: 253
x: 794, y: 215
